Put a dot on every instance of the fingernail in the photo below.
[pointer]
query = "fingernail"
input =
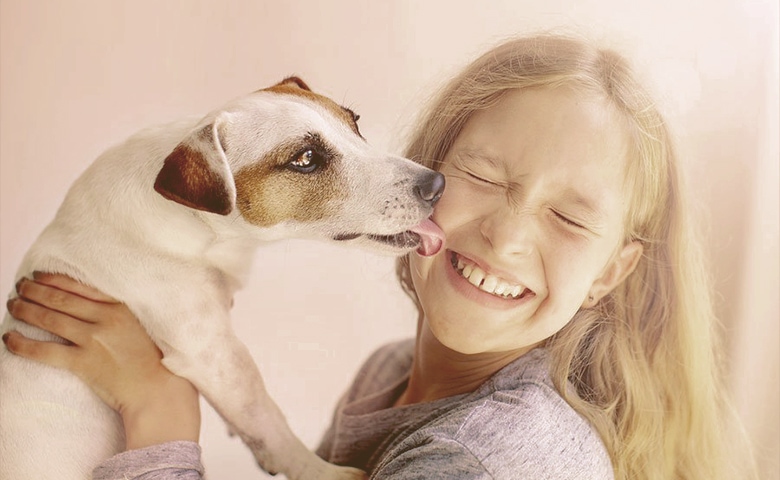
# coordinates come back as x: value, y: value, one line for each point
x: 19, y: 284
x: 37, y: 274
x: 10, y: 303
x: 5, y: 337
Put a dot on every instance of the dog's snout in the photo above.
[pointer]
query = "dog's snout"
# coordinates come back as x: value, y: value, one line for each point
x: 430, y: 188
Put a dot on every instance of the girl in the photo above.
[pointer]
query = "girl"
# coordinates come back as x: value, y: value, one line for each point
x: 565, y: 329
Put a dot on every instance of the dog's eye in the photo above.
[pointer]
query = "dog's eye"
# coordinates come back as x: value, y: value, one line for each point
x: 307, y: 162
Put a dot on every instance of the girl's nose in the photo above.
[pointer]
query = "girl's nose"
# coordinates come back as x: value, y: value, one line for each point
x: 509, y: 233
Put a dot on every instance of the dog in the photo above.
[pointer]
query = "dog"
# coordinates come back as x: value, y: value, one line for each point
x: 168, y: 222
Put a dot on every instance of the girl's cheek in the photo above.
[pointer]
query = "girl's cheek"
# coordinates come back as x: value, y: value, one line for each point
x: 460, y: 196
x: 452, y: 210
x: 449, y: 205
x: 421, y: 269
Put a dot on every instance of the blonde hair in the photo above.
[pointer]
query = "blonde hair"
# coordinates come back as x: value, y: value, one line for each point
x: 643, y: 361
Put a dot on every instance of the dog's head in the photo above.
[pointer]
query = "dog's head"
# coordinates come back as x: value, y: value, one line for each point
x: 289, y: 161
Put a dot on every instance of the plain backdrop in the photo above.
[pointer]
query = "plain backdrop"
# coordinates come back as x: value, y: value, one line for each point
x: 79, y: 76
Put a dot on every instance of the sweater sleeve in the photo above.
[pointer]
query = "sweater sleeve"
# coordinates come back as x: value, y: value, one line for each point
x: 173, y: 460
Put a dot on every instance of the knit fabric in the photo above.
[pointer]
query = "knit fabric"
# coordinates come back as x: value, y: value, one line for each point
x: 515, y: 426
x: 179, y: 460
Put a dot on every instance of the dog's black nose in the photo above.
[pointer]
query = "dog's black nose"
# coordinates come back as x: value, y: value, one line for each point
x: 431, y: 188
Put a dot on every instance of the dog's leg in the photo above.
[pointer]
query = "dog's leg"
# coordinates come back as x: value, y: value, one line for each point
x: 226, y: 375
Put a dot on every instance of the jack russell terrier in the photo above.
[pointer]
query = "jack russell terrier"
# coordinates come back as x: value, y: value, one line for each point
x: 167, y: 222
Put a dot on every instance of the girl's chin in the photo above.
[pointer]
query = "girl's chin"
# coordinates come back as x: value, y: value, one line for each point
x: 452, y: 339
x: 460, y: 339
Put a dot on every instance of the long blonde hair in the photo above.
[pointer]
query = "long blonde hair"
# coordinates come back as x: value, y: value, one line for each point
x: 643, y: 361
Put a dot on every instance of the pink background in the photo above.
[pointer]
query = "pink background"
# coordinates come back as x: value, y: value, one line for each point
x: 79, y: 76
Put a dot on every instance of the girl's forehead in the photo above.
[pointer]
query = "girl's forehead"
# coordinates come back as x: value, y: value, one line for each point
x: 554, y: 123
x: 548, y: 109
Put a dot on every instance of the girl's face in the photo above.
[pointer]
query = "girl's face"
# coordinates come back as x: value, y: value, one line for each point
x: 533, y: 213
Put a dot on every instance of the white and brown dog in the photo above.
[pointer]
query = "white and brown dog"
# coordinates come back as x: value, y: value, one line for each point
x: 167, y: 222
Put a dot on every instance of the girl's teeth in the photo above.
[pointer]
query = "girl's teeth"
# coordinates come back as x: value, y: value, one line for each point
x: 477, y: 275
x: 467, y: 271
x: 487, y: 283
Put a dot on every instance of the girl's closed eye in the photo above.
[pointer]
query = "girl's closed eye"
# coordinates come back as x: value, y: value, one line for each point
x: 480, y: 179
x: 566, y: 220
x: 468, y: 175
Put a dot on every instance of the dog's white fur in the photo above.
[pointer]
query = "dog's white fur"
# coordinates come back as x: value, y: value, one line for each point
x: 177, y: 268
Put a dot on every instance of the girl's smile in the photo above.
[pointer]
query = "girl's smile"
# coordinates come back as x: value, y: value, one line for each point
x: 478, y: 282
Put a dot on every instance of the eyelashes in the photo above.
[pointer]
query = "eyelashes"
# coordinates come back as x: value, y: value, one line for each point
x: 566, y: 220
x: 481, y: 180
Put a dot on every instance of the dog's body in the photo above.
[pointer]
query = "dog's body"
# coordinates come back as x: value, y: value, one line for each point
x: 282, y: 162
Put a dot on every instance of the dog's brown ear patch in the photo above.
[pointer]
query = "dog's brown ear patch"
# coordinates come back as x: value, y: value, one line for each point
x: 295, y: 80
x: 186, y: 178
x: 287, y: 83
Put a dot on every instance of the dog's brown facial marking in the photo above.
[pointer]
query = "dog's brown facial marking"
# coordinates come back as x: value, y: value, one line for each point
x: 296, y: 86
x: 298, y: 181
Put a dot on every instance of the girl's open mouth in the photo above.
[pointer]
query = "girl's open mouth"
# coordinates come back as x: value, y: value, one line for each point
x: 487, y: 282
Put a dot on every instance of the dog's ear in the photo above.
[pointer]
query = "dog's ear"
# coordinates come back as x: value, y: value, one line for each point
x: 294, y: 81
x: 196, y: 173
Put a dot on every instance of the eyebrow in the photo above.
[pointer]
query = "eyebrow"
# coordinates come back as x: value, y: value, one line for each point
x: 481, y: 156
x: 588, y: 207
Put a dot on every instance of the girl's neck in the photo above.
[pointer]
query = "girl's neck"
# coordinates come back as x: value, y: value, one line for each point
x: 439, y: 372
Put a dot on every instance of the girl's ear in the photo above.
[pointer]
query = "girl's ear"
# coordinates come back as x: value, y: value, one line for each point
x: 618, y: 269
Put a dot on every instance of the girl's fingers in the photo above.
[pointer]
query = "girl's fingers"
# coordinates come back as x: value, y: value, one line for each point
x: 50, y: 353
x: 63, y: 301
x: 60, y: 324
x: 68, y: 284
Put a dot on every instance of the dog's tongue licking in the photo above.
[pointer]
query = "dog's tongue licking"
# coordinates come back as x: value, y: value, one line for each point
x: 431, y: 236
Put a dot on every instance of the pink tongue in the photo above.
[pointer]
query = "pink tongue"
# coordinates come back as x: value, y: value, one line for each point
x: 432, y: 238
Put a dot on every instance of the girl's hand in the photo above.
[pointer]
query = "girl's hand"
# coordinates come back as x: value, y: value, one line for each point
x: 111, y: 352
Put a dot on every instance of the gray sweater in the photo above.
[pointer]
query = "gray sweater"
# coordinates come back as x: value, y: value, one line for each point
x: 515, y: 426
